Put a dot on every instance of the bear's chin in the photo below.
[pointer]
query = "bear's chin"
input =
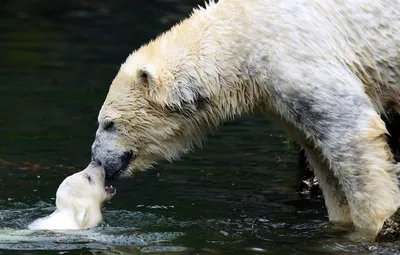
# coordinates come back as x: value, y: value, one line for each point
x: 120, y: 173
x: 125, y: 171
x: 114, y: 172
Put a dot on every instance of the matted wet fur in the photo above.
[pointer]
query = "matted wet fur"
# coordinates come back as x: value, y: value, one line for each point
x: 324, y: 69
x: 308, y: 183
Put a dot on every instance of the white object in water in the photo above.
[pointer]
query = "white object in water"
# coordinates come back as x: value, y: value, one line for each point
x: 79, y: 200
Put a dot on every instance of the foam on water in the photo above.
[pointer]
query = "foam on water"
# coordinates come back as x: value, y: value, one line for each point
x: 13, y: 239
x: 117, y: 230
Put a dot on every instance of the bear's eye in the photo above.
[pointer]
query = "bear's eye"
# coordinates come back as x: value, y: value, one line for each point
x: 88, y: 178
x: 108, y: 125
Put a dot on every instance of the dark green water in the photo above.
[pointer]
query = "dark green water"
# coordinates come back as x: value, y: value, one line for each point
x: 57, y: 59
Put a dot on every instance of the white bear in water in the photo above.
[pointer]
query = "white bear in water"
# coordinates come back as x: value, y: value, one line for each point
x: 79, y: 200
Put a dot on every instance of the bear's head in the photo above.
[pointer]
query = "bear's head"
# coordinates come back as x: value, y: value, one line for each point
x: 82, y: 195
x: 155, y: 109
x: 165, y: 96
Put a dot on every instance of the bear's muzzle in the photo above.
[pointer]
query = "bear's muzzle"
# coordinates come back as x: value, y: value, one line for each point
x: 113, y: 160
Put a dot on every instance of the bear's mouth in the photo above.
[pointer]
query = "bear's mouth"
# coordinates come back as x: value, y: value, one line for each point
x: 110, y: 190
x: 117, y: 173
x: 125, y: 161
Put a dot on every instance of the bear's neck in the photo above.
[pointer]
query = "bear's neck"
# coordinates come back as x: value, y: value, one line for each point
x: 228, y: 64
x: 94, y: 217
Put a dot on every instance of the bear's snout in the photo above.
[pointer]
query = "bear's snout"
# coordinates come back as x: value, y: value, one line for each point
x: 114, y: 162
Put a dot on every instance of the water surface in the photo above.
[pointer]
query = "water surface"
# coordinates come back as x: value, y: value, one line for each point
x: 234, y: 196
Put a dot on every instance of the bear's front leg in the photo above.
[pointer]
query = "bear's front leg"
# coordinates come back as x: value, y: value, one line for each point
x: 361, y: 160
x: 335, y: 199
x: 329, y: 106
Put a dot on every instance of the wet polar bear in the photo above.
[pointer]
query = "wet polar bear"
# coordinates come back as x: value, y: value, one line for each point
x: 324, y: 69
x: 79, y: 200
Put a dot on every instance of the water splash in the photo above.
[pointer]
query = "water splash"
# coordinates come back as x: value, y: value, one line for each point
x: 122, y: 228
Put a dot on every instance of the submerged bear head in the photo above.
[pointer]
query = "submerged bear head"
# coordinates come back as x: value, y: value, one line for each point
x: 84, y: 190
x: 79, y: 200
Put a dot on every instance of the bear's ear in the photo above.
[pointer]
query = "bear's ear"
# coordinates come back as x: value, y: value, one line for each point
x: 146, y: 76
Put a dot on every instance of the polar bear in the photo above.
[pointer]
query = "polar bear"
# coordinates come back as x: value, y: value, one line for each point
x: 79, y: 200
x: 324, y: 69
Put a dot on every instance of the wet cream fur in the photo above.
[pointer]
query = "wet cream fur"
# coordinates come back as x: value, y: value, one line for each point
x: 323, y: 69
x: 79, y: 200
